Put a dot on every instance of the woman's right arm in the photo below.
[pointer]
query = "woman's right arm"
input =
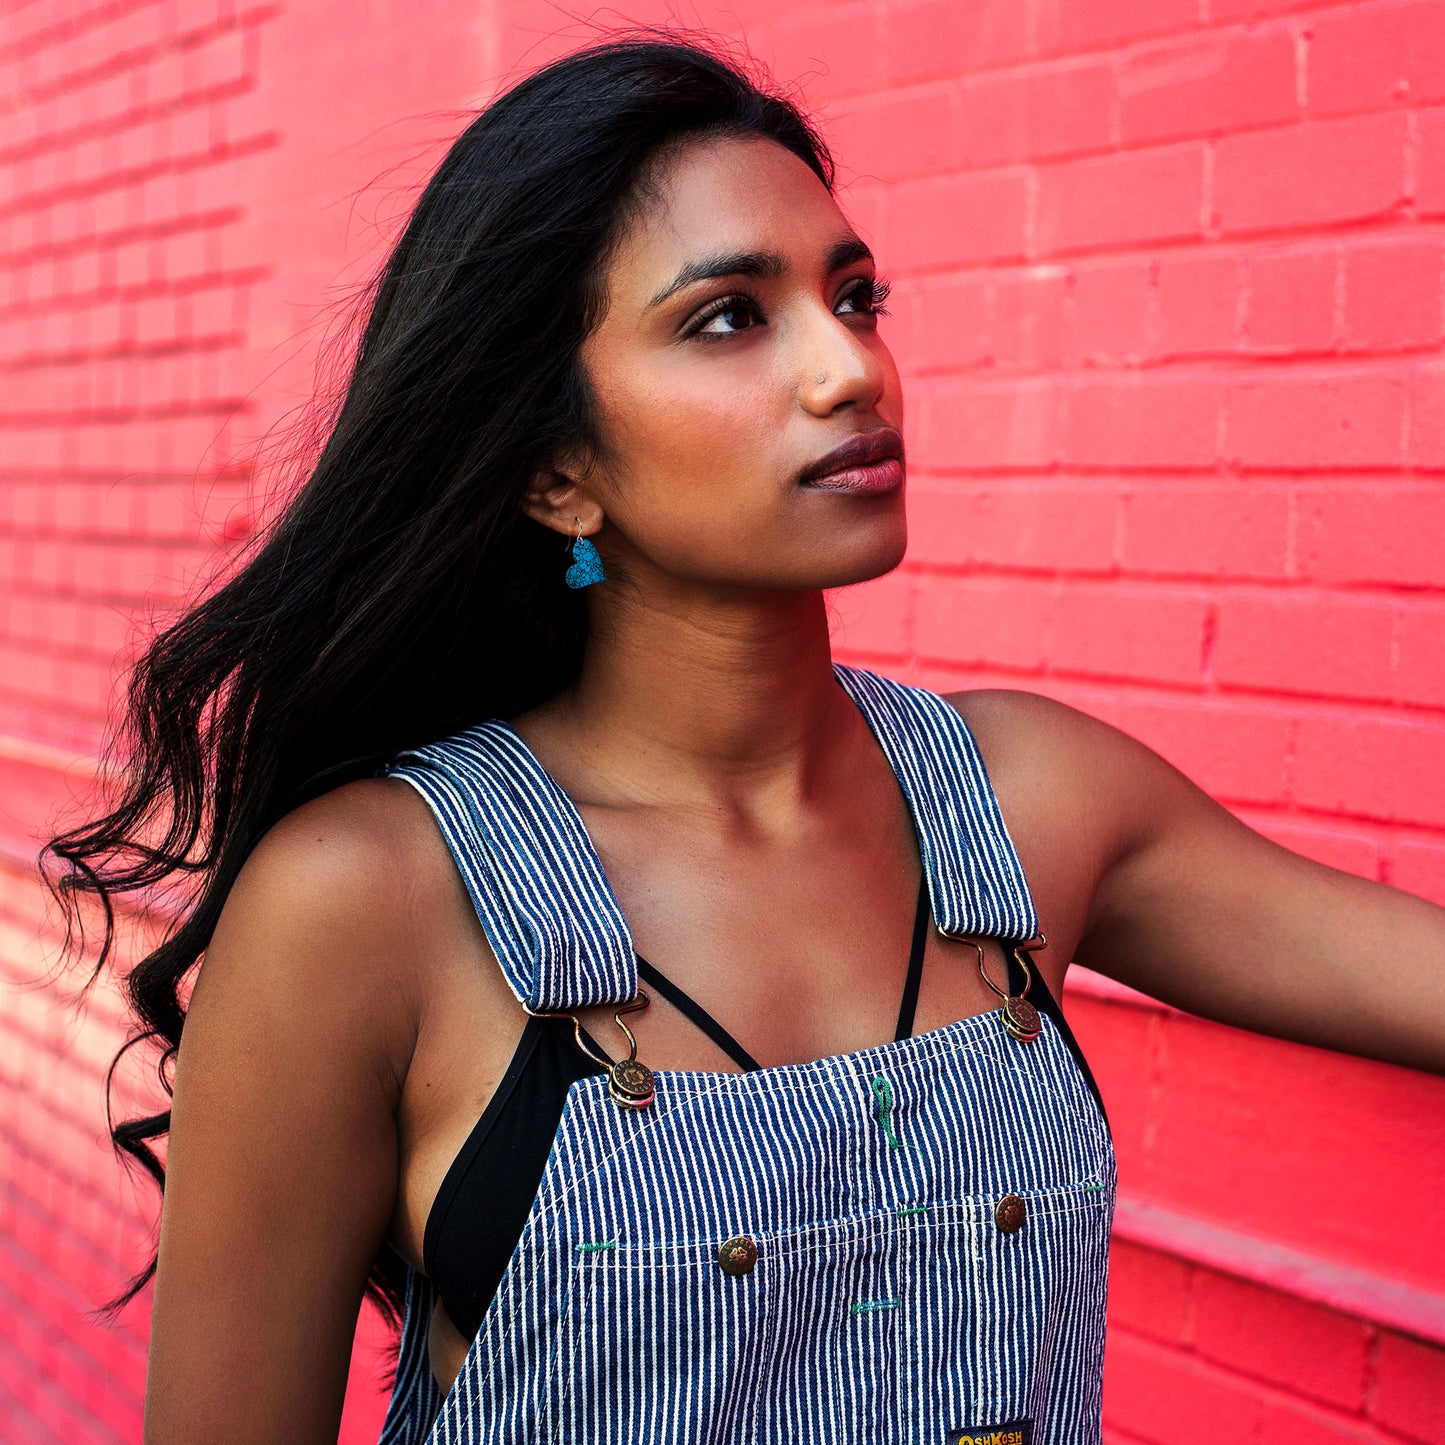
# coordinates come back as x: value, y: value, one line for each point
x: 282, y: 1160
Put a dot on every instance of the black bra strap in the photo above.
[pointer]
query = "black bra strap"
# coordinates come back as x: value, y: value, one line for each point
x: 1042, y: 997
x: 695, y: 1011
x: 915, y: 964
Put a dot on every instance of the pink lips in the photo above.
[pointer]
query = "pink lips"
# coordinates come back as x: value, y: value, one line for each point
x: 882, y: 476
x: 868, y: 461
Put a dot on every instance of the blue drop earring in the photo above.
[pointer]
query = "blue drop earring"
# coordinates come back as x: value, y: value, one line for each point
x: 586, y: 565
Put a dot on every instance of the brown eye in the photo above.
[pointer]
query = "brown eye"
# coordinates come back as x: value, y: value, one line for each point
x: 868, y: 297
x: 729, y: 309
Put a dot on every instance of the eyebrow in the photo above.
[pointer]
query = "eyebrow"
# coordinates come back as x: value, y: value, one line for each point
x: 766, y: 264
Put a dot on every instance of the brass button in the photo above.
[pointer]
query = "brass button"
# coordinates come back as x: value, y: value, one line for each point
x: 1009, y: 1213
x: 737, y: 1255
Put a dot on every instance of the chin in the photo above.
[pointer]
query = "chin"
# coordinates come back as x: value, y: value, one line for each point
x: 862, y: 564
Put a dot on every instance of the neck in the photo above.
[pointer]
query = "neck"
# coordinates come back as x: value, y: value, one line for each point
x: 729, y: 703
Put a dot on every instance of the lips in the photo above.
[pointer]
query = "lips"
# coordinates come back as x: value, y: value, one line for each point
x: 863, y: 449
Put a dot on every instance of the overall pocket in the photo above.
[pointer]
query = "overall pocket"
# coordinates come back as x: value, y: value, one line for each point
x: 1007, y: 1319
x: 658, y: 1345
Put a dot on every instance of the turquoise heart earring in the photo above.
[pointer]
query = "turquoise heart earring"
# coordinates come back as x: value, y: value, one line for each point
x: 586, y: 565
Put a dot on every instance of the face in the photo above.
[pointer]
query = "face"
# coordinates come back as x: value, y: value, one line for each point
x: 708, y: 389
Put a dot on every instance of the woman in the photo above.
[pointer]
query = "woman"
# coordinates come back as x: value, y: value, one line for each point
x: 531, y: 682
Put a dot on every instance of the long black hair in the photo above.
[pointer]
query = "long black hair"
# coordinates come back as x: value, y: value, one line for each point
x: 403, y: 593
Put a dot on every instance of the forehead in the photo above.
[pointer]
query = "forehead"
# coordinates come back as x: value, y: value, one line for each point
x: 723, y: 194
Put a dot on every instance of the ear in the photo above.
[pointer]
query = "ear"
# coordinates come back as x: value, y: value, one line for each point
x: 556, y: 497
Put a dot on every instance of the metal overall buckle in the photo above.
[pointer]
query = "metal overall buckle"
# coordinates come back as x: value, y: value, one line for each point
x: 629, y: 1082
x: 1020, y: 1017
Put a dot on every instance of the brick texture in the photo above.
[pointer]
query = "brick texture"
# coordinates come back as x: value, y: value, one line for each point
x: 1169, y: 302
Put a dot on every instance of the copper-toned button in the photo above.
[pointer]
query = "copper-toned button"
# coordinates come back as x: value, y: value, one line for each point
x: 1021, y: 1020
x: 631, y: 1083
x: 1009, y: 1213
x: 737, y: 1255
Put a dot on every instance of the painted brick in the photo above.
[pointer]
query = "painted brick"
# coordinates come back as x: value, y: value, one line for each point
x: 925, y: 39
x: 864, y: 132
x: 1261, y: 1332
x: 1372, y: 56
x: 1418, y: 866
x: 1237, y: 749
x: 1068, y: 527
x: 1150, y: 1293
x: 1026, y: 115
x: 1291, y: 299
x: 1131, y: 197
x: 1143, y: 633
x: 1139, y: 419
x: 1282, y: 1423
x: 989, y: 424
x: 1027, y: 317
x: 1425, y: 446
x: 1110, y: 312
x: 876, y: 618
x: 941, y: 322
x: 1410, y: 1388
x: 1319, y: 646
x: 1063, y: 26
x: 1372, y: 533
x: 1311, y: 175
x: 1333, y: 773
x: 1420, y: 649
x: 942, y: 221
x: 1199, y: 303
x: 1208, y: 84
x: 1392, y: 294
x: 1158, y: 1394
x: 1217, y: 530
x: 1003, y: 620
x: 1430, y: 164
x: 1317, y: 421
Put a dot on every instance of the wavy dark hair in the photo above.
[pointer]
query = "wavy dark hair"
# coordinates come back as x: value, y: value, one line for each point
x: 403, y: 593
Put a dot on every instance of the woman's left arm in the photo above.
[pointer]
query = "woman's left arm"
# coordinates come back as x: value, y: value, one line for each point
x: 1200, y: 911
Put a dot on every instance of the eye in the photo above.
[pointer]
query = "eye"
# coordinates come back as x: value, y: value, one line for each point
x: 726, y: 308
x: 868, y: 296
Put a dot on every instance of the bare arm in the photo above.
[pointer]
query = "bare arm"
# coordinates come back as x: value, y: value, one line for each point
x: 282, y: 1166
x: 1204, y: 913
x: 1181, y: 900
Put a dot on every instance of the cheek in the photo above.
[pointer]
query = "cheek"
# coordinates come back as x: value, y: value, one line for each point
x: 684, y: 438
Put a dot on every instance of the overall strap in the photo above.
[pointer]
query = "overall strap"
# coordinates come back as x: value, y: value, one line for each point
x: 550, y: 914
x: 529, y: 866
x: 974, y: 876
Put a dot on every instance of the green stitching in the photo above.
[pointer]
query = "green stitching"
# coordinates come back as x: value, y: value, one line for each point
x: 882, y: 1105
x: 605, y: 1244
x: 860, y: 1306
x: 911, y: 1209
x: 1093, y: 1188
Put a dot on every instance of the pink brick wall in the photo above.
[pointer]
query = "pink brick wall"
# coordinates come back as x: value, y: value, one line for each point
x: 1168, y: 300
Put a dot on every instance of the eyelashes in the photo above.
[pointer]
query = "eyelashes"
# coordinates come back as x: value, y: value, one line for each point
x: 877, y: 291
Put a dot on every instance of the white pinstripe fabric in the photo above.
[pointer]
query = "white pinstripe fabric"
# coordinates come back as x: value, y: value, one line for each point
x: 886, y: 1306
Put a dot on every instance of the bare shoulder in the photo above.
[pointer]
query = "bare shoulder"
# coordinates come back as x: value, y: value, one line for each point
x: 1013, y: 724
x: 1043, y: 754
x: 284, y: 1141
x: 1077, y: 795
x: 326, y: 915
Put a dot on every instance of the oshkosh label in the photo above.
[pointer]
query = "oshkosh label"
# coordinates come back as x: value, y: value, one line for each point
x: 1016, y: 1432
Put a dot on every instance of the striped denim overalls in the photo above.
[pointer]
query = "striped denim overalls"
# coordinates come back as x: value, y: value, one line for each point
x: 918, y: 1230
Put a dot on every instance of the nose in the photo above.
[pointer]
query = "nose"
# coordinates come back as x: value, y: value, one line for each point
x: 841, y: 366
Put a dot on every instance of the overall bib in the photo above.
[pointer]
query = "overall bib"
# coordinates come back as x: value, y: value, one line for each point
x: 904, y: 1245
